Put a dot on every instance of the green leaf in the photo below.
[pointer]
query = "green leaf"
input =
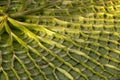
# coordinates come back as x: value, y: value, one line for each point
x: 59, y: 40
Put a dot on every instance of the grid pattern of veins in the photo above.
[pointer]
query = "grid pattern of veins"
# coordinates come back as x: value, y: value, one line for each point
x: 83, y: 44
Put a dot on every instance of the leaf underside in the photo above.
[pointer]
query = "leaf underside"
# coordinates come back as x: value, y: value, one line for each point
x: 59, y: 39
